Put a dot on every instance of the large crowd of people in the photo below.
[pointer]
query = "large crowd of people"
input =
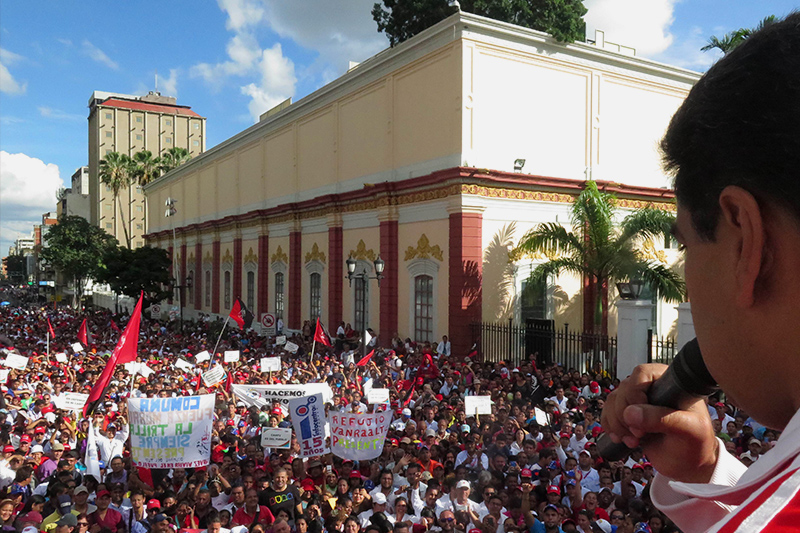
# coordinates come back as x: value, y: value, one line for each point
x: 529, y: 466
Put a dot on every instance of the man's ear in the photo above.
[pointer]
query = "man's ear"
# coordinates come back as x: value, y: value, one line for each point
x: 743, y: 225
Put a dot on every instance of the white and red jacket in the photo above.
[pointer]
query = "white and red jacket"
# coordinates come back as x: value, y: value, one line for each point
x: 763, y: 498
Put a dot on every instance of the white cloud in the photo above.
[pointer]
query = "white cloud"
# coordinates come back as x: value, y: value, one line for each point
x: 643, y: 25
x: 65, y: 42
x: 242, y: 13
x: 27, y: 189
x: 98, y: 55
x: 686, y: 52
x: 244, y: 52
x: 169, y: 86
x: 8, y: 84
x: 278, y: 82
x: 56, y: 114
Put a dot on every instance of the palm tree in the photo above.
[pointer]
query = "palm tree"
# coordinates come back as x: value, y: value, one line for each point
x: 146, y: 167
x: 601, y: 253
x: 115, y: 172
x: 731, y: 40
x: 173, y: 158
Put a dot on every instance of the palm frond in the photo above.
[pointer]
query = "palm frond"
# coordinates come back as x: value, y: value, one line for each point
x: 593, y: 215
x: 646, y: 223
x: 659, y: 277
x: 554, y: 267
x: 549, y: 238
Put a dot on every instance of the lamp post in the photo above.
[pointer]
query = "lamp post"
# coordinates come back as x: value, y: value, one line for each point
x: 364, y: 276
x: 171, y: 211
x: 187, y: 284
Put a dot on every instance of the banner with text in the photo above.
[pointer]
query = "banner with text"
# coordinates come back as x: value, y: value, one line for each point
x: 308, y: 419
x: 259, y: 395
x: 358, y: 437
x: 171, y: 432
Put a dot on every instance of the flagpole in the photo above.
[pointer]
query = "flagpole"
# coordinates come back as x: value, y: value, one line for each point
x: 48, y: 343
x: 214, y: 353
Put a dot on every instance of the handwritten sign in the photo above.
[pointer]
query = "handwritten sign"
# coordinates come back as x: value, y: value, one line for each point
x: 270, y: 364
x: 202, y: 356
x: 231, y: 356
x: 171, y: 432
x: 16, y: 361
x: 358, y: 437
x: 71, y: 401
x: 308, y: 419
x: 378, y: 396
x: 291, y: 347
x: 276, y: 438
x: 280, y: 339
x: 477, y: 405
x: 213, y: 376
x: 260, y: 395
x: 541, y: 417
x: 4, y: 375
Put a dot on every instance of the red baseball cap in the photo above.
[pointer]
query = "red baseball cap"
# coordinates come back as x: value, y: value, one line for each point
x: 564, y: 435
x: 526, y: 472
x: 25, y: 438
x: 39, y: 430
x: 594, y: 387
x: 102, y: 493
x: 553, y: 489
x: 153, y: 504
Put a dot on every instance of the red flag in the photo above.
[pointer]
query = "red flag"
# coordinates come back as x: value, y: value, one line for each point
x: 125, y: 352
x: 321, y: 334
x: 241, y: 314
x: 114, y: 326
x: 366, y: 359
x: 83, y: 334
x: 50, y: 328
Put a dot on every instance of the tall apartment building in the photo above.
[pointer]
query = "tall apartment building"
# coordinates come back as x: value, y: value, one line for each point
x: 74, y: 200
x: 129, y: 124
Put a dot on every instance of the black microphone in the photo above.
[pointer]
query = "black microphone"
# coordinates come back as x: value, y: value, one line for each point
x: 686, y: 380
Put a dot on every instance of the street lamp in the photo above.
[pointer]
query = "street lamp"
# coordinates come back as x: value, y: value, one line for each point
x: 171, y: 211
x: 187, y: 284
x: 631, y: 290
x: 364, y: 276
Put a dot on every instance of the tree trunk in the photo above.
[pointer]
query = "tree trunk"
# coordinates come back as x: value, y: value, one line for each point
x: 124, y: 228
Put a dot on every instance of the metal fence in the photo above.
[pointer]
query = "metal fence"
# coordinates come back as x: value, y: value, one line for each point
x: 660, y: 349
x: 506, y: 341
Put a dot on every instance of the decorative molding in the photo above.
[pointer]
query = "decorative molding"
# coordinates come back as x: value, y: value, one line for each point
x: 279, y: 256
x: 641, y: 204
x: 191, y: 258
x: 251, y: 257
x: 208, y: 260
x: 651, y: 253
x: 315, y: 255
x: 424, y: 250
x: 227, y: 258
x: 516, y: 194
x: 362, y: 253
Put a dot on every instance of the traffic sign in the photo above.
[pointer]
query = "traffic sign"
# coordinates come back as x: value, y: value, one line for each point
x: 268, y: 324
x: 155, y: 312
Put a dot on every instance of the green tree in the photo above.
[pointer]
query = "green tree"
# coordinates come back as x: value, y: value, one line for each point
x: 601, y: 252
x: 173, y: 158
x: 146, y: 168
x: 731, y: 40
x: 131, y: 271
x: 16, y: 268
x: 402, y: 19
x: 116, y: 171
x: 75, y: 249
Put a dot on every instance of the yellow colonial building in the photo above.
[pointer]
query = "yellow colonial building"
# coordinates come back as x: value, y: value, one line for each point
x: 436, y: 155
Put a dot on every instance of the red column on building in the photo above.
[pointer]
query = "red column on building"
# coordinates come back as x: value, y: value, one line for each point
x: 262, y: 305
x: 171, y: 253
x: 182, y: 281
x: 295, y: 302
x: 199, y: 278
x: 335, y: 277
x: 389, y: 253
x: 237, y: 268
x: 215, y: 277
x: 465, y: 273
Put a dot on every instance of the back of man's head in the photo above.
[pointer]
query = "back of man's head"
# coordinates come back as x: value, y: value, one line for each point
x: 740, y: 125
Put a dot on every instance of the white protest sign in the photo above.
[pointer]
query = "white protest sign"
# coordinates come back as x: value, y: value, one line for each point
x: 4, y: 375
x: 270, y: 364
x: 231, y: 356
x: 358, y: 437
x: 281, y: 339
x: 378, y: 396
x: 213, y: 376
x: 77, y: 347
x: 16, y: 361
x: 61, y: 357
x: 183, y: 364
x: 477, y: 405
x: 145, y: 370
x: 291, y: 347
x: 71, y: 401
x: 308, y: 419
x: 202, y: 356
x: 276, y: 437
x: 171, y: 432
x: 260, y: 395
x: 541, y: 417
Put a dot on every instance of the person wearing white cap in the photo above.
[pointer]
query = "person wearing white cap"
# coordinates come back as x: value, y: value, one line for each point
x: 378, y: 506
x: 461, y: 501
x: 399, y: 424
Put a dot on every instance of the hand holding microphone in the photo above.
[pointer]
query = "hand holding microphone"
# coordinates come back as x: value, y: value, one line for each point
x: 662, y: 409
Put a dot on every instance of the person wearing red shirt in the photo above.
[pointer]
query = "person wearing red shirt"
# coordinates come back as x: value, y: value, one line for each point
x: 103, y: 517
x: 252, y: 513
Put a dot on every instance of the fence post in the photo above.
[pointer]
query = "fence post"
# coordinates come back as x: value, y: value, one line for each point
x: 634, y: 319
x: 649, y: 346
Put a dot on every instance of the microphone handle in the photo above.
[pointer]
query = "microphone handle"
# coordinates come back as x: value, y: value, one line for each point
x: 667, y: 391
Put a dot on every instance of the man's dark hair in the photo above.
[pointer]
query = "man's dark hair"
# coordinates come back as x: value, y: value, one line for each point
x: 740, y: 125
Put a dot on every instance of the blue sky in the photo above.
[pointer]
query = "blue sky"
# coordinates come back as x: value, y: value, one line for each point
x: 230, y: 60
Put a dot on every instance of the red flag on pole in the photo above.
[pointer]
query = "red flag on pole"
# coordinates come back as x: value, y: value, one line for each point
x: 125, y: 352
x: 114, y: 326
x: 321, y: 334
x: 83, y: 333
x: 241, y: 314
x: 50, y: 328
x: 366, y: 359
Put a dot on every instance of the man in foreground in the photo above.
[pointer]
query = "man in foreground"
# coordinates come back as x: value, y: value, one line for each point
x: 734, y: 148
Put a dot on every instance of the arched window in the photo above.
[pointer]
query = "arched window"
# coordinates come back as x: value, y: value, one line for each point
x: 188, y: 290
x: 227, y: 289
x: 316, y: 295
x: 361, y: 297
x: 251, y: 289
x: 423, y: 308
x: 208, y: 288
x: 279, y: 307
